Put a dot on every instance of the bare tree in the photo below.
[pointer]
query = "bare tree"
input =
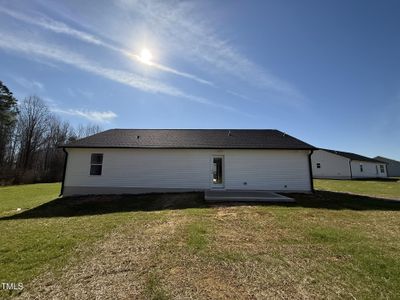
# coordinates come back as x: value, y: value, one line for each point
x: 84, y: 131
x: 52, y: 158
x: 30, y: 146
x: 32, y: 127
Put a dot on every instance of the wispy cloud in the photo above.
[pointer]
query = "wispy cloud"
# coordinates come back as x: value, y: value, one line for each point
x: 183, y: 28
x: 164, y: 68
x: 61, y: 55
x: 239, y: 95
x: 95, y: 116
x: 59, y: 27
x: 29, y: 84
x: 50, y: 24
x: 79, y: 92
x: 50, y: 101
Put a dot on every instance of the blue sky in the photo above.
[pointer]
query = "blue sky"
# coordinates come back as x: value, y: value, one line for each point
x: 327, y: 72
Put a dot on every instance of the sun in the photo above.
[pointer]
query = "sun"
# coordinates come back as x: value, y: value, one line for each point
x: 145, y: 56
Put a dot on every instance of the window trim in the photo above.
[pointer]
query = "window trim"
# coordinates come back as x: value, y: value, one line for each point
x: 96, y: 164
x: 318, y: 165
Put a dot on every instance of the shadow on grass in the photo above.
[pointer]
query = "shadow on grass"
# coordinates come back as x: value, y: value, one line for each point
x: 105, y: 204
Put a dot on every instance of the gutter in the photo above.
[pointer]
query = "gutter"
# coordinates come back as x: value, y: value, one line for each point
x: 64, y: 171
x: 182, y: 147
x: 351, y: 172
x: 310, y: 171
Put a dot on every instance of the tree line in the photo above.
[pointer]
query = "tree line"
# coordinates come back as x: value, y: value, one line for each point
x: 30, y: 136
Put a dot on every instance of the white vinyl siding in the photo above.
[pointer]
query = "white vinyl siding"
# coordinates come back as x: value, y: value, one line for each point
x: 338, y: 167
x: 140, y: 168
x: 273, y: 170
x: 370, y: 169
x: 392, y: 167
x: 191, y: 169
x: 332, y: 165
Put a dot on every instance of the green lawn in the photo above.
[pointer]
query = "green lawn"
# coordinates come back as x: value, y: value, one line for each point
x: 327, y: 245
x: 376, y: 188
x: 26, y: 196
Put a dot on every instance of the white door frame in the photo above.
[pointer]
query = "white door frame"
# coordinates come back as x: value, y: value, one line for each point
x: 213, y: 184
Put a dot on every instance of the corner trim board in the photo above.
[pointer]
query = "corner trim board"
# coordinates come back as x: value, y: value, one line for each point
x: 64, y: 172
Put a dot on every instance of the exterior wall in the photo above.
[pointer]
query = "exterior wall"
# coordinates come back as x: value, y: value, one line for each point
x: 370, y: 169
x: 332, y: 165
x: 338, y: 167
x: 146, y: 170
x: 393, y: 166
x: 393, y: 169
x: 277, y: 170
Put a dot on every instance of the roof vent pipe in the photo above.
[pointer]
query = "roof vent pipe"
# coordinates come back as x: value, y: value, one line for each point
x: 229, y: 133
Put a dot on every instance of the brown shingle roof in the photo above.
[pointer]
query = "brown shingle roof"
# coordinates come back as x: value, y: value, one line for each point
x: 191, y: 138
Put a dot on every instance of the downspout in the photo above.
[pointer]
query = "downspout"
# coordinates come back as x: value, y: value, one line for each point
x: 351, y: 172
x: 310, y: 170
x: 65, y: 170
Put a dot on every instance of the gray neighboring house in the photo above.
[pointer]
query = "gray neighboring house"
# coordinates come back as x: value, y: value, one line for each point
x: 133, y: 161
x: 335, y: 164
x: 393, y: 166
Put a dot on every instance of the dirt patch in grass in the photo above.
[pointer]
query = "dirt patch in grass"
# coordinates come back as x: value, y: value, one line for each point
x: 120, y: 266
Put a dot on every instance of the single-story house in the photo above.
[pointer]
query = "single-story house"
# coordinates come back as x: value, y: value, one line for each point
x: 392, y: 166
x: 133, y: 161
x: 345, y: 165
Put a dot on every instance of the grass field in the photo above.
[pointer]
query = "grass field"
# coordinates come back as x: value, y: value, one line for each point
x: 327, y: 245
x: 376, y: 188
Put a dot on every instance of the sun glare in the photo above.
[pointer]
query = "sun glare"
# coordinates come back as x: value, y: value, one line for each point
x: 145, y: 56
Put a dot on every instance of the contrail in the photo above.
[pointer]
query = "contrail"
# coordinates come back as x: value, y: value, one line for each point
x: 59, y: 27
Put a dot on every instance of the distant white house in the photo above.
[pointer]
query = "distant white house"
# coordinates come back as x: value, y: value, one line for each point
x: 179, y: 160
x: 345, y: 165
x: 393, y: 166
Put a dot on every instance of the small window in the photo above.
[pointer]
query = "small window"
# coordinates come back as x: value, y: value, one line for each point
x: 382, y: 167
x: 96, y: 163
x: 318, y: 165
x: 361, y: 168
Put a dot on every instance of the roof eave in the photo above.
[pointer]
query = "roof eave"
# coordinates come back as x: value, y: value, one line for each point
x: 199, y: 147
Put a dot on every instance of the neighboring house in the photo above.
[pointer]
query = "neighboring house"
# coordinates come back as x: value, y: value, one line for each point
x: 345, y: 165
x: 171, y: 160
x: 393, y: 166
